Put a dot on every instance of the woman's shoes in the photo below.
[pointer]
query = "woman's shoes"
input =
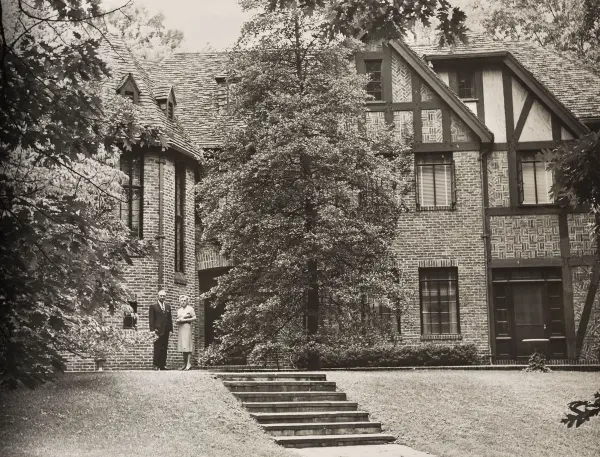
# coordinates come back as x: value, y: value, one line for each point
x: 187, y: 368
x: 182, y: 368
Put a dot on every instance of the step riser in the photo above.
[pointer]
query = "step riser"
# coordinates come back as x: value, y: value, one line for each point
x: 330, y: 444
x: 283, y: 388
x: 326, y: 431
x: 317, y: 441
x: 299, y: 409
x: 300, y: 396
x: 307, y: 420
x: 270, y: 377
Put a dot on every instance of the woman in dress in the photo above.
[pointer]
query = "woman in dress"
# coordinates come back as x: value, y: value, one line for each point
x: 185, y: 316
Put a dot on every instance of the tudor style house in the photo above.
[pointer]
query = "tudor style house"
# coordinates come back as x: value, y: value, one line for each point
x: 492, y: 259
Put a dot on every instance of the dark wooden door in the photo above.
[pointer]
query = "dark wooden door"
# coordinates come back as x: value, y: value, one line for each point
x: 527, y: 304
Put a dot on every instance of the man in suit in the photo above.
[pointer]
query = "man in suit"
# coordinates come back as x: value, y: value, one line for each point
x: 161, y: 323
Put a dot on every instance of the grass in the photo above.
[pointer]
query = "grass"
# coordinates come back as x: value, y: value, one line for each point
x: 131, y: 414
x: 478, y: 413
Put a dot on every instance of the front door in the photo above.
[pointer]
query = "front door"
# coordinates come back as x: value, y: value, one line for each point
x: 528, y: 305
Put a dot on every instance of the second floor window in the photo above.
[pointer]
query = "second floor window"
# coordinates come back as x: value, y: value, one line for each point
x: 535, y: 180
x: 131, y: 207
x: 435, y: 187
x: 439, y: 301
x: 179, y: 216
x: 466, y: 85
x: 374, y: 86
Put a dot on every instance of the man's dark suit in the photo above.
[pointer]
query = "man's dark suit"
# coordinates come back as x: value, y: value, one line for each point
x: 161, y: 322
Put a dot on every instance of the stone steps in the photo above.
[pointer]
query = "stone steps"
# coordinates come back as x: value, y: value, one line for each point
x: 303, y: 409
x: 270, y: 376
x: 333, y: 440
x: 290, y: 396
x: 311, y: 416
x: 280, y: 386
x: 323, y: 428
x: 299, y: 406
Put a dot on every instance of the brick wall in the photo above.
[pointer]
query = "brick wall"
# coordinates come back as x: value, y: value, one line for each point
x: 527, y: 237
x: 142, y: 277
x: 497, y: 169
x: 449, y: 238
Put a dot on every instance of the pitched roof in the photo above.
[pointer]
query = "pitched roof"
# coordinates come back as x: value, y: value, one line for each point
x: 122, y: 63
x: 193, y: 78
x: 574, y: 85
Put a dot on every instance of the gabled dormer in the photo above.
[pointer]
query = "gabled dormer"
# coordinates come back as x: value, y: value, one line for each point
x: 165, y: 97
x: 128, y: 88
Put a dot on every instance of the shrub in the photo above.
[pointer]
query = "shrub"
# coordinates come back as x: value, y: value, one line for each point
x: 387, y: 356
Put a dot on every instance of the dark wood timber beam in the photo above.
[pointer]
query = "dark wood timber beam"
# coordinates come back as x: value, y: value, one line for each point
x: 523, y: 117
x: 587, y: 307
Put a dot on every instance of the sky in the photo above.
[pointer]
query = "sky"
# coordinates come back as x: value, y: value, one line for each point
x: 205, y: 23
x: 212, y: 24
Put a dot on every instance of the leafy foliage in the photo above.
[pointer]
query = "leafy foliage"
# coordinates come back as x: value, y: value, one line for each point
x: 379, y: 19
x: 301, y: 197
x: 145, y: 34
x: 356, y: 356
x: 537, y: 362
x: 566, y: 25
x: 575, y: 166
x: 62, y: 248
x: 582, y: 411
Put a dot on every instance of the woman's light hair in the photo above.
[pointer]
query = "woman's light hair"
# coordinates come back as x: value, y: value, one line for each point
x: 184, y: 299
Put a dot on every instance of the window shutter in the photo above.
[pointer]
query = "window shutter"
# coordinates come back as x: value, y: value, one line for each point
x: 427, y: 185
x: 417, y: 185
x: 453, y: 179
x: 528, y: 184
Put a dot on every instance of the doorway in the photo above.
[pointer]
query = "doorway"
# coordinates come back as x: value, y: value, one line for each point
x: 528, y: 304
x: 207, y: 279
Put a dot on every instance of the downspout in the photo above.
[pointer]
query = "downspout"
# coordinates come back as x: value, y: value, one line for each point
x: 486, y: 240
x: 161, y: 233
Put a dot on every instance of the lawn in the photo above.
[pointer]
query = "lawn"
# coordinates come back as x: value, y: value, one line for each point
x: 144, y: 413
x: 478, y: 413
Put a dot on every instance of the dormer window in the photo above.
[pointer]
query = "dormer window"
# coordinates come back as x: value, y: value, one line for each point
x: 374, y: 86
x: 166, y: 101
x: 129, y: 89
x: 466, y: 85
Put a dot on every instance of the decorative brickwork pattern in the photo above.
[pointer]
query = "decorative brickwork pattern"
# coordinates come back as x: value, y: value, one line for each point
x: 375, y: 120
x: 401, y: 80
x: 208, y: 256
x: 403, y: 123
x: 460, y: 133
x: 591, y: 343
x: 427, y: 94
x: 497, y: 169
x: 525, y: 237
x: 580, y: 239
x: 432, y: 126
x: 452, y: 238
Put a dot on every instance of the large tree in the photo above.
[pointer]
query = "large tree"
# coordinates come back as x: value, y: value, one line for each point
x: 61, y: 129
x: 384, y: 19
x: 566, y: 25
x: 144, y: 33
x: 302, y: 196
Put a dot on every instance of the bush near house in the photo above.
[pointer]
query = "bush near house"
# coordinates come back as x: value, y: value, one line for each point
x: 388, y: 356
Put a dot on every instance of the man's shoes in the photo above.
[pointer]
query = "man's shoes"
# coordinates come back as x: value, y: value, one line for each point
x: 155, y: 368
